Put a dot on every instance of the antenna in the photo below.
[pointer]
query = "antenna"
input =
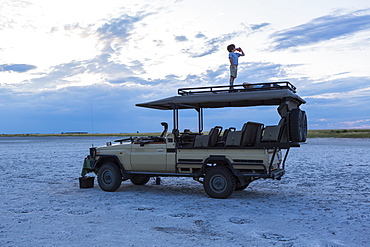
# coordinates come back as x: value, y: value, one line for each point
x: 92, y: 124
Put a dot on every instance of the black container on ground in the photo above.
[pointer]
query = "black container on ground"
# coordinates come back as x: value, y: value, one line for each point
x: 86, y: 182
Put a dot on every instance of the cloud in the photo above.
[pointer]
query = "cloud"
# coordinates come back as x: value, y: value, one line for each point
x: 342, y: 103
x: 70, y: 109
x: 260, y: 72
x: 113, y: 104
x: 181, y: 38
x: 138, y: 81
x: 120, y: 27
x: 213, y: 45
x: 112, y: 35
x: 357, y: 124
x: 57, y: 76
x: 117, y: 31
x: 322, y: 29
x: 112, y: 78
x: 20, y: 68
x: 158, y: 43
x: 200, y: 36
x: 101, y: 67
x: 333, y: 88
x: 256, y: 27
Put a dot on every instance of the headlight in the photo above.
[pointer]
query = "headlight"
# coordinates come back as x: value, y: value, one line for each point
x: 92, y: 153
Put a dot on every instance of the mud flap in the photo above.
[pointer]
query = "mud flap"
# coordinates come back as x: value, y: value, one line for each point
x: 86, y: 167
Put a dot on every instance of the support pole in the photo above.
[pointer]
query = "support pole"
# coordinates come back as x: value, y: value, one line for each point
x: 200, y: 119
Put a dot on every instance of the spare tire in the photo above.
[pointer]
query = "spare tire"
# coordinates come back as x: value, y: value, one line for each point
x: 298, y: 125
x: 304, y: 126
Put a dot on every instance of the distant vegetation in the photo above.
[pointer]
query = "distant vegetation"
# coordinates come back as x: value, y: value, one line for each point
x: 342, y: 133
x: 82, y: 134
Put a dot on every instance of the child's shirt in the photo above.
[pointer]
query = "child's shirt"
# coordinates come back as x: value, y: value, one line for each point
x: 234, y: 57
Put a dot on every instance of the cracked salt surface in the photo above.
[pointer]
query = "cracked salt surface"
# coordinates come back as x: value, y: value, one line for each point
x: 323, y: 200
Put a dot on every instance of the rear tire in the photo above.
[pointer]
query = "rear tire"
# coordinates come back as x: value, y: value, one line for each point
x: 139, y: 179
x: 219, y: 182
x: 109, y: 177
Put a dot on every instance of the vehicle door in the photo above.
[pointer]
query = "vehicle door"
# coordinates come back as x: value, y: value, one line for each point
x: 149, y: 156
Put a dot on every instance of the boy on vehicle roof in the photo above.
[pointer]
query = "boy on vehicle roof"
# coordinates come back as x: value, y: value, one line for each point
x: 233, y: 58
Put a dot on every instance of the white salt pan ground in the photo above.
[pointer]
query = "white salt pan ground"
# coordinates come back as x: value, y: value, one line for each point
x: 323, y: 200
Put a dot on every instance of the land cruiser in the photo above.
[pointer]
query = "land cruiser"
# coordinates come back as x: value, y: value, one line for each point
x: 224, y: 159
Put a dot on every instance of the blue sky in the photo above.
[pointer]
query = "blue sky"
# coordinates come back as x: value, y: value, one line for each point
x: 82, y: 65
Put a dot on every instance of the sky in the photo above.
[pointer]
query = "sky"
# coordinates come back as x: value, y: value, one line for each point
x: 83, y: 65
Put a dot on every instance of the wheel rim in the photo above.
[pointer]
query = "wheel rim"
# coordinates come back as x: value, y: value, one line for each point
x: 107, y: 177
x: 218, y: 183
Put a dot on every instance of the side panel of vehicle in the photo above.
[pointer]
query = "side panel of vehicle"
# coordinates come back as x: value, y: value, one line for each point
x: 242, y: 159
x: 121, y: 151
x: 149, y: 157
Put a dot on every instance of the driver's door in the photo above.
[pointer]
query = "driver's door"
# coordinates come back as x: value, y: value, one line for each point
x: 149, y: 157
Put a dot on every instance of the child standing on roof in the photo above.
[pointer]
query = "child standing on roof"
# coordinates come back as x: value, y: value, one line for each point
x: 233, y: 58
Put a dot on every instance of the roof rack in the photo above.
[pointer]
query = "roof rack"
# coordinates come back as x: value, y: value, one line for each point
x: 272, y: 93
x: 246, y: 87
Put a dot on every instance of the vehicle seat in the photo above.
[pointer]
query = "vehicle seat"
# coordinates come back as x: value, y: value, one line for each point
x: 226, y: 132
x: 176, y: 133
x: 271, y: 133
x: 214, y: 135
x: 251, y: 134
x: 209, y: 140
x: 201, y: 141
x: 222, y: 139
x: 233, y: 138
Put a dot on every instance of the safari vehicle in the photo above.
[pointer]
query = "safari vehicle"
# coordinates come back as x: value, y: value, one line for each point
x: 225, y: 159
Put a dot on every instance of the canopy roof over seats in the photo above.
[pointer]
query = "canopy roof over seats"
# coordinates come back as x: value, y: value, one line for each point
x: 272, y: 93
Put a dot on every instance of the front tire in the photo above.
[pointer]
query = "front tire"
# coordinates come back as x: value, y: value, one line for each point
x: 109, y: 177
x: 219, y: 182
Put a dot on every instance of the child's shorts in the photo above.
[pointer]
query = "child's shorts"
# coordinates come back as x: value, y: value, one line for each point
x: 233, y: 70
